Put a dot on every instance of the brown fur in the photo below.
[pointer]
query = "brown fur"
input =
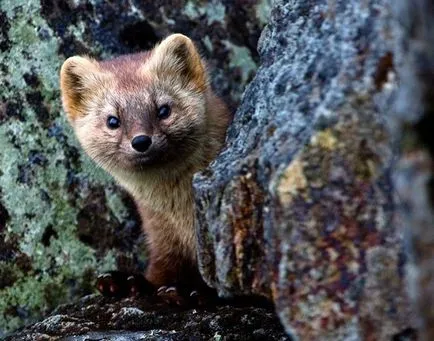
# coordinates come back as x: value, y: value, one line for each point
x: 132, y: 87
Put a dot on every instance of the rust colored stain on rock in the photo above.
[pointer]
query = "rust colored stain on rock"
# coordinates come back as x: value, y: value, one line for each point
x: 246, y: 219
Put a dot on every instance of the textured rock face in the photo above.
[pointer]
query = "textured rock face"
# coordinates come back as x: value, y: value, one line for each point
x: 300, y: 206
x: 61, y: 220
x: 97, y: 318
x: 414, y: 124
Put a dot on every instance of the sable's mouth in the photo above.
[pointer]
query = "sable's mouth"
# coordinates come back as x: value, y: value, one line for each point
x: 149, y: 159
x: 145, y: 160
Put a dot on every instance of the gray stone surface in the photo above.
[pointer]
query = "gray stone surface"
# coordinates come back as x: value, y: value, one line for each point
x: 300, y: 207
x: 97, y: 318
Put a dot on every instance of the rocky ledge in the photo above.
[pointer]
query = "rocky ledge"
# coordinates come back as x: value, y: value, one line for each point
x: 98, y: 318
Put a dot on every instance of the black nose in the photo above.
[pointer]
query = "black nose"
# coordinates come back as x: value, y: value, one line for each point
x: 141, y: 143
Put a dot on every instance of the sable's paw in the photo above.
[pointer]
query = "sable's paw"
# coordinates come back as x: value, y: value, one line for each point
x: 171, y: 296
x: 174, y: 296
x: 120, y: 284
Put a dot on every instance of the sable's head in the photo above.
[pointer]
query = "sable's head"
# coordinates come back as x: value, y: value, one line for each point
x: 139, y: 112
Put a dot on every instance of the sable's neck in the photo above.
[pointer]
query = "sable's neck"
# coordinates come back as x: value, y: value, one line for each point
x: 168, y: 195
x: 167, y: 211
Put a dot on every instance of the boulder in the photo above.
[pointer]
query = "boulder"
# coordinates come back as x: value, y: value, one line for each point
x: 300, y: 207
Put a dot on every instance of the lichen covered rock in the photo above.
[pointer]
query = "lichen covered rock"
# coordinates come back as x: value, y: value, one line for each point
x: 62, y: 220
x: 300, y: 207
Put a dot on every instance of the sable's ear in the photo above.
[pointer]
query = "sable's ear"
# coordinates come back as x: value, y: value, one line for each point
x: 177, y: 56
x: 78, y: 76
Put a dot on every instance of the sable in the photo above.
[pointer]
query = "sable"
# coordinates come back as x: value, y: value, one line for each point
x: 151, y: 120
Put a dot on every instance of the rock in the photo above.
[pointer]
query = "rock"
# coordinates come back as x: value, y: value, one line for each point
x: 94, y: 318
x: 62, y: 221
x: 413, y: 123
x: 300, y: 206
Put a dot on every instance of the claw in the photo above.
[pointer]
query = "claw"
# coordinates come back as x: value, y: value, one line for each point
x: 173, y: 295
x: 171, y: 289
x: 119, y: 284
x: 161, y: 290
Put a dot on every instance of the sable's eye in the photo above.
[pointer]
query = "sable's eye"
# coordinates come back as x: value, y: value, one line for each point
x: 113, y: 122
x: 163, y: 112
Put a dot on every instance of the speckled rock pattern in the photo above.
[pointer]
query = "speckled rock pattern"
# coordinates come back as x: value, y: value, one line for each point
x: 62, y: 220
x: 300, y: 206
x: 414, y: 126
x: 98, y: 318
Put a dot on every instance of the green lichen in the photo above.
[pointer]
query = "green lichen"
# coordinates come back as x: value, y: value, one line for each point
x: 214, y: 11
x: 66, y: 257
x: 115, y: 204
x: 263, y: 9
x: 241, y: 58
x: 192, y: 11
x: 21, y: 59
x: 23, y: 32
x: 10, y: 7
x: 208, y: 43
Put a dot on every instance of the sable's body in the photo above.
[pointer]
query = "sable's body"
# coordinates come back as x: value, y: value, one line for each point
x: 152, y: 121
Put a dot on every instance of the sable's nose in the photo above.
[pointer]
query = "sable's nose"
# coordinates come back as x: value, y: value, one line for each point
x: 141, y: 143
